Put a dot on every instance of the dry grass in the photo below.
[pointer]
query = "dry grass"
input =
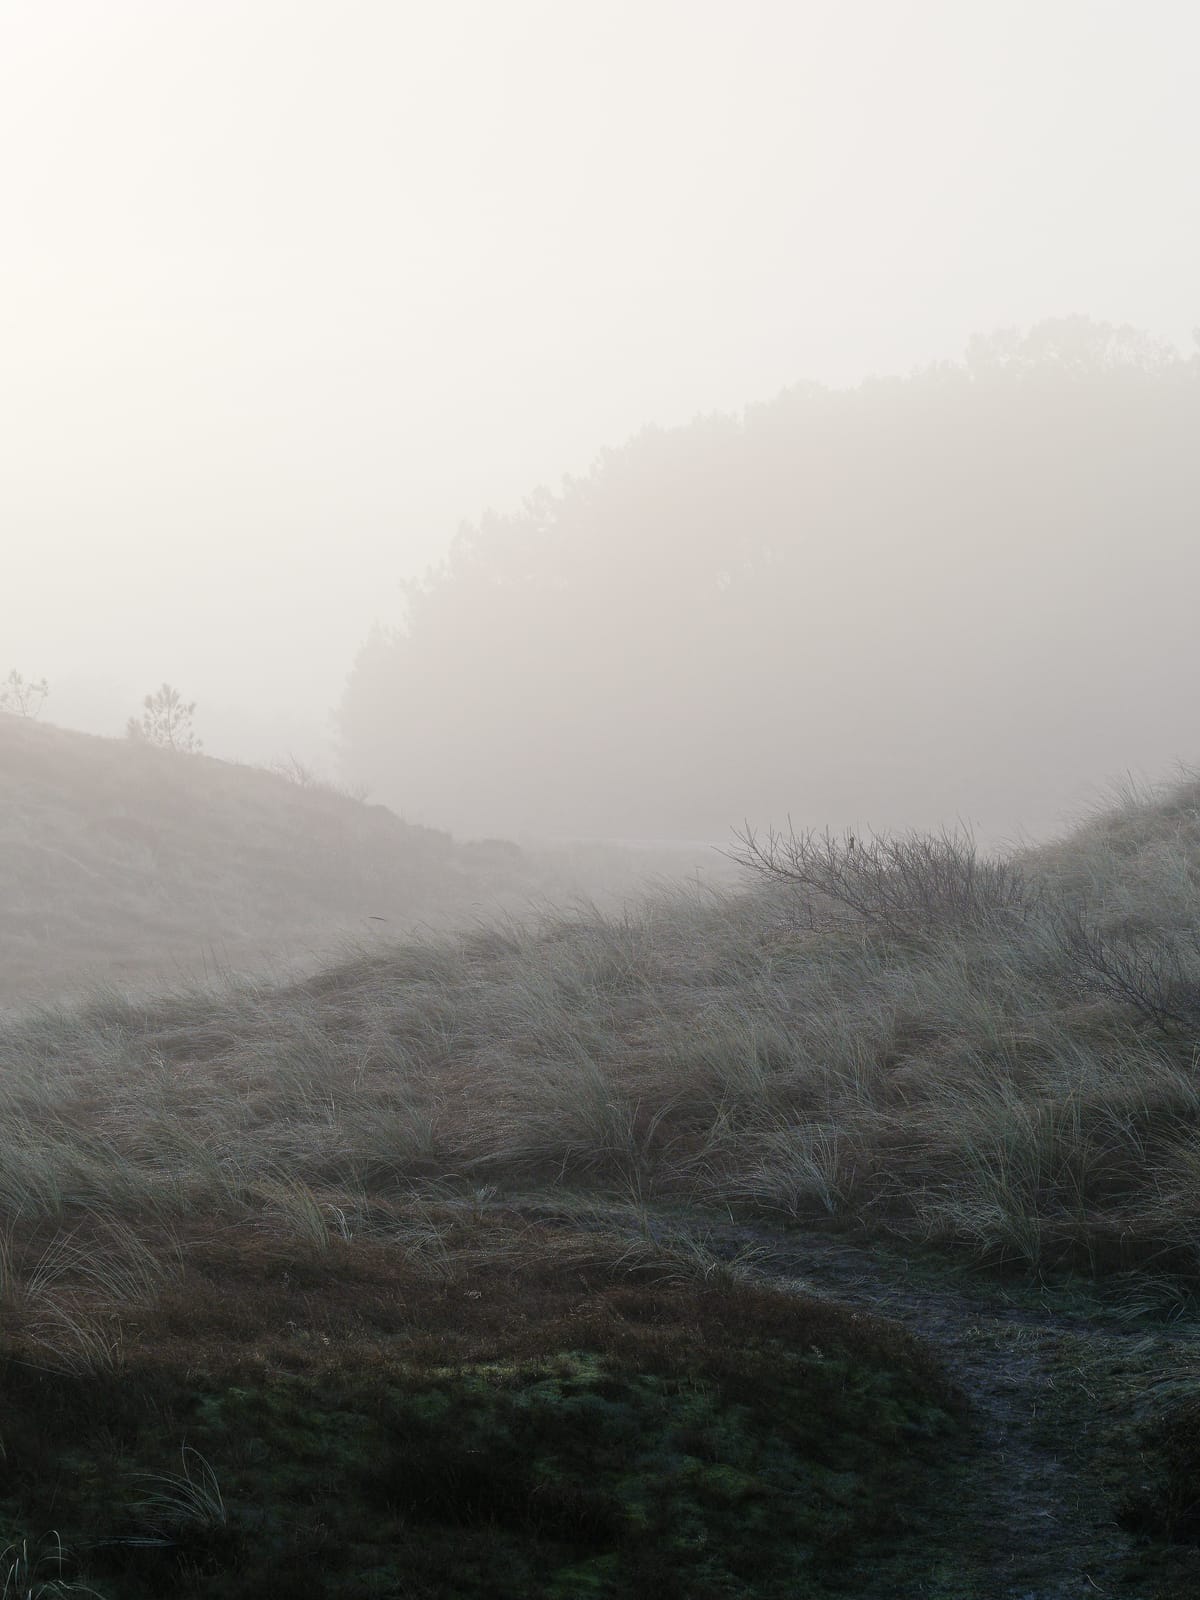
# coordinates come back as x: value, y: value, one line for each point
x: 973, y: 1083
x: 407, y: 1167
x: 125, y: 864
x: 463, y: 1400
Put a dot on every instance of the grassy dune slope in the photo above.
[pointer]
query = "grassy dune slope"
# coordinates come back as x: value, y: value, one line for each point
x: 1010, y: 1068
x: 123, y: 864
x: 294, y: 1229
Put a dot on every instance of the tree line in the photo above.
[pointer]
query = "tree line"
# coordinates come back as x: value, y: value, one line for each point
x: 956, y: 593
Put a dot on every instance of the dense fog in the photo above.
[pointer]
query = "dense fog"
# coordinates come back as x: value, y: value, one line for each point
x: 618, y: 422
x: 951, y: 596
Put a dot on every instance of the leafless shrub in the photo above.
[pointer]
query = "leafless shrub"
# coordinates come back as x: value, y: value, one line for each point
x: 909, y: 883
x: 24, y: 697
x: 1154, y: 970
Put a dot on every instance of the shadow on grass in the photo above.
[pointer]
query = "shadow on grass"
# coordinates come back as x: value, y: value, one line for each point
x: 530, y: 1413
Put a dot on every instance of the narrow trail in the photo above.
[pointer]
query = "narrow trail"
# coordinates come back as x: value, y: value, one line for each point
x: 1052, y: 1395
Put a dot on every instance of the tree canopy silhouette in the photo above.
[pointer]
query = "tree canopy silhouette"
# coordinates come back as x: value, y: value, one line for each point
x: 972, y: 584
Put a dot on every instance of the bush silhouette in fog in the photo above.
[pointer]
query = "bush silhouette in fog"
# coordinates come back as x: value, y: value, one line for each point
x: 925, y: 589
x: 22, y: 696
x: 166, y: 720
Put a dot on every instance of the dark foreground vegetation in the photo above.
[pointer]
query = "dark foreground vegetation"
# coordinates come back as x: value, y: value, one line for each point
x: 395, y: 1281
x: 442, y: 1406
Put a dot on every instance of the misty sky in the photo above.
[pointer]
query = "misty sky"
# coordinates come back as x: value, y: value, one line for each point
x: 292, y: 287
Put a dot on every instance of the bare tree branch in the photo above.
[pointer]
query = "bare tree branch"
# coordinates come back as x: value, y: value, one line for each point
x: 902, y: 884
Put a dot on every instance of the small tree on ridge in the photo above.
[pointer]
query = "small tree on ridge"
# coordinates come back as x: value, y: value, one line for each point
x: 23, y: 696
x: 166, y: 720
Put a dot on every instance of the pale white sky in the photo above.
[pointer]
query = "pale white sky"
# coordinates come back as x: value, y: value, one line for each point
x: 292, y: 287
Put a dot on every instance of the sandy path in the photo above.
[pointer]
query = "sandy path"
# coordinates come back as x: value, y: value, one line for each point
x: 1052, y: 1396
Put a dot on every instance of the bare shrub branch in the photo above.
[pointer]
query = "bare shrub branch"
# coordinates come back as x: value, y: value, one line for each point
x: 24, y: 697
x: 901, y: 884
x: 1155, y: 971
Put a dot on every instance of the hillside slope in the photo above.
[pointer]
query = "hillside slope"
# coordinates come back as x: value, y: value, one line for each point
x: 124, y: 864
x: 837, y: 1237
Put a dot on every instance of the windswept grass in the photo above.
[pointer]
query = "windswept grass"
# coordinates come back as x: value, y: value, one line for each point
x: 975, y: 1082
x: 295, y: 1214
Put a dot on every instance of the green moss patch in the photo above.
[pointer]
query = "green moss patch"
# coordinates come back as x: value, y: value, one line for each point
x: 1164, y: 1500
x: 540, y: 1418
